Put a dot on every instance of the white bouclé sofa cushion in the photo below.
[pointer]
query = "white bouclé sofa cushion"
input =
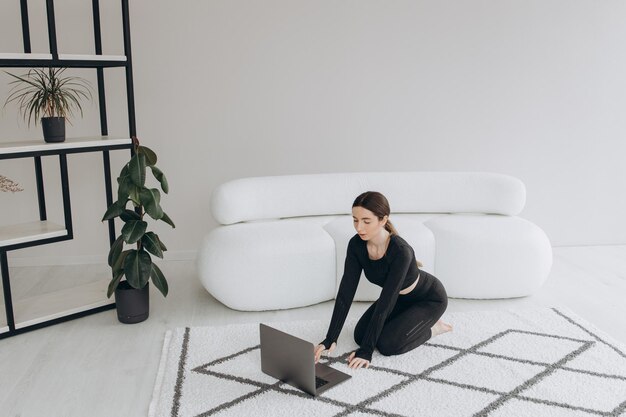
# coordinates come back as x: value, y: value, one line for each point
x: 262, y: 265
x: 488, y: 256
x: 326, y: 194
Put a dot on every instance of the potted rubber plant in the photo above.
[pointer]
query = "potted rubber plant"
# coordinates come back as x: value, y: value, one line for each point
x: 49, y: 95
x: 135, y: 264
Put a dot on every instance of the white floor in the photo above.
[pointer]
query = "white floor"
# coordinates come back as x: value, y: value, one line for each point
x: 95, y: 366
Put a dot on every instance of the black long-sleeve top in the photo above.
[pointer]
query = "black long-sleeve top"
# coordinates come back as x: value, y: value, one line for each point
x: 397, y: 269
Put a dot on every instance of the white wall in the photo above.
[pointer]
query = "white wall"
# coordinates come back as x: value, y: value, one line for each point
x: 228, y: 89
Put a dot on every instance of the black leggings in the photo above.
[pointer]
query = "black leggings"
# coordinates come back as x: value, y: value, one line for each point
x: 408, y: 325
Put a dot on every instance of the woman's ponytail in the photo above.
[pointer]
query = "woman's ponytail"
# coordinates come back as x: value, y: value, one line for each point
x: 390, y: 228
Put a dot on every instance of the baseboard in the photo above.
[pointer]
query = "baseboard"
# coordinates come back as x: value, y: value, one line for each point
x: 15, y: 261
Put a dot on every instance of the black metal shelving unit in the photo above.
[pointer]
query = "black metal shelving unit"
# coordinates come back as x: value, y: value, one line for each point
x: 43, y: 232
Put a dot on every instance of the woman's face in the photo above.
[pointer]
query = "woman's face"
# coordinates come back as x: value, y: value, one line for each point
x: 366, y: 223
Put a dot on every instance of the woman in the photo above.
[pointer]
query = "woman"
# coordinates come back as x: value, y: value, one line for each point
x: 411, y: 301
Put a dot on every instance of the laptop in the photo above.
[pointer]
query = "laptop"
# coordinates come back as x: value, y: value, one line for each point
x: 292, y: 360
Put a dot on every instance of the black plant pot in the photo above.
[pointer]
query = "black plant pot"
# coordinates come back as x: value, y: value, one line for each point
x: 53, y: 129
x: 133, y: 305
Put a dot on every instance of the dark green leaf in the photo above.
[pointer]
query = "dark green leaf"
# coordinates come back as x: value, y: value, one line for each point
x: 116, y: 249
x: 124, y: 185
x: 158, y: 174
x: 118, y: 265
x: 163, y: 248
x: 134, y: 230
x: 137, y: 169
x: 138, y: 267
x: 113, y: 211
x: 167, y: 220
x: 129, y: 215
x: 159, y: 280
x: 133, y: 193
x: 151, y: 157
x: 124, y: 171
x: 114, y: 283
x: 151, y: 199
x: 150, y: 242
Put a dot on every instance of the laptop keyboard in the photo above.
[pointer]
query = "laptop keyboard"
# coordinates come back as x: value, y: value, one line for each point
x: 320, y: 382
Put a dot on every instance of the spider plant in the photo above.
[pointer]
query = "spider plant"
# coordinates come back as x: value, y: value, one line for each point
x: 48, y: 93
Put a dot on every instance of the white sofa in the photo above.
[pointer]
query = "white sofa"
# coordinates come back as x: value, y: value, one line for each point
x: 283, y: 239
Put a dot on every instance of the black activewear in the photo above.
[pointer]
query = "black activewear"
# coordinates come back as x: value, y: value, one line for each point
x: 394, y: 323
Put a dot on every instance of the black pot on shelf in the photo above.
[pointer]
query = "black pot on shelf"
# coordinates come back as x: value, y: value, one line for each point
x: 133, y: 305
x: 53, y: 129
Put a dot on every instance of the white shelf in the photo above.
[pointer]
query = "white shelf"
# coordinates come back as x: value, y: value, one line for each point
x: 69, y: 57
x: 25, y: 56
x: 54, y: 305
x: 70, y: 143
x: 29, y: 232
x: 75, y: 57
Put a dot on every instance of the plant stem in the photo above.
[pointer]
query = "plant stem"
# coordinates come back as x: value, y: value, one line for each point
x: 141, y: 218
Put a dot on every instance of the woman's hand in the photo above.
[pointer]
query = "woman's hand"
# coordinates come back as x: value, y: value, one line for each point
x: 356, y: 363
x: 321, y: 349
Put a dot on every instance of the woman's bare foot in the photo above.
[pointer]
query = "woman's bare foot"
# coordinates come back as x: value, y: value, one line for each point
x: 439, y: 328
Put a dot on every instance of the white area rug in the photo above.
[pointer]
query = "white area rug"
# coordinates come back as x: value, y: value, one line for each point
x: 540, y: 362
